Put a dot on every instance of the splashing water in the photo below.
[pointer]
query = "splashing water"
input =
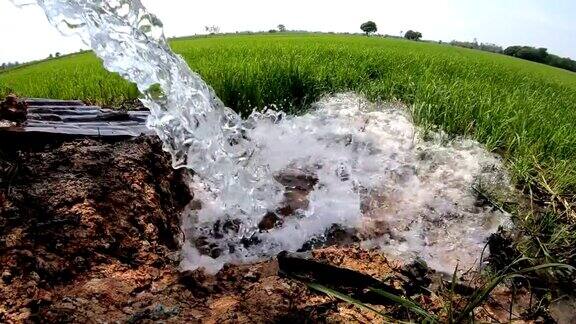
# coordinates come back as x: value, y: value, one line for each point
x: 366, y: 168
x: 378, y: 176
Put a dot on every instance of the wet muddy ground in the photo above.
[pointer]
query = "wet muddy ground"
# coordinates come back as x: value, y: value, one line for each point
x: 89, y: 232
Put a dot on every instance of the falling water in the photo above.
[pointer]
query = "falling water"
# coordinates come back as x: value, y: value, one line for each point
x: 368, y: 169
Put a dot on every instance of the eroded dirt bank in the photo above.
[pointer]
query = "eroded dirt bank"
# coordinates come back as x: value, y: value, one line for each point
x: 89, y: 232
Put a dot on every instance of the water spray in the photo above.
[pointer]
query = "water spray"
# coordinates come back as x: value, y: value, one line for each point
x: 364, y: 168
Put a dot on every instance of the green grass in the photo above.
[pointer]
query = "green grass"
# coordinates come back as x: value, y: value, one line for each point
x: 523, y: 110
x: 76, y: 76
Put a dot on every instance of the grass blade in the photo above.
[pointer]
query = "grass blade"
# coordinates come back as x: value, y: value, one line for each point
x: 343, y: 297
x: 406, y: 303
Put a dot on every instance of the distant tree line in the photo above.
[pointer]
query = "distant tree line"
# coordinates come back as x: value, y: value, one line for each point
x: 488, y: 47
x: 541, y: 55
x: 370, y: 27
x: 529, y: 53
x: 8, y: 65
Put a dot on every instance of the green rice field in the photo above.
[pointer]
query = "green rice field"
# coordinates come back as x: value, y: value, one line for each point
x: 522, y: 110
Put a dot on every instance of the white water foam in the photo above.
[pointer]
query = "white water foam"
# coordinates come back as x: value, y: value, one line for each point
x: 375, y: 172
x: 408, y: 194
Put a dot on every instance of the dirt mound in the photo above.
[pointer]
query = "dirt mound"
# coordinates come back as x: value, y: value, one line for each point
x: 80, y: 206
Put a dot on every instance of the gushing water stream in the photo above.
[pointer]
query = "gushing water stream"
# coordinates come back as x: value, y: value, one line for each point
x: 373, y: 172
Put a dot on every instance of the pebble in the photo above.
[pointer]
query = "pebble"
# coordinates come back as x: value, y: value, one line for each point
x: 252, y: 276
x: 34, y: 276
x: 80, y: 262
x: 7, y: 276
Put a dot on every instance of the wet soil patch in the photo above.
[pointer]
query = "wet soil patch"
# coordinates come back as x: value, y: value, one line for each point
x: 89, y: 232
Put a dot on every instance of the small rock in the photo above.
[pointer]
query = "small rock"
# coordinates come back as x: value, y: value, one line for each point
x: 174, y: 256
x: 34, y: 276
x: 252, y: 276
x: 44, y: 295
x: 7, y: 276
x: 269, y: 221
x: 419, y: 277
x: 80, y: 262
x: 297, y: 179
x: 215, y: 252
x: 252, y: 240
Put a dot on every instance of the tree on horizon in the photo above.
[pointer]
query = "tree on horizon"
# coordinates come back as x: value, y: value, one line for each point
x: 413, y: 35
x: 369, y: 27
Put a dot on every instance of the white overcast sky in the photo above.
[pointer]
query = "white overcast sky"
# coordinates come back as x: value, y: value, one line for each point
x: 26, y: 35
